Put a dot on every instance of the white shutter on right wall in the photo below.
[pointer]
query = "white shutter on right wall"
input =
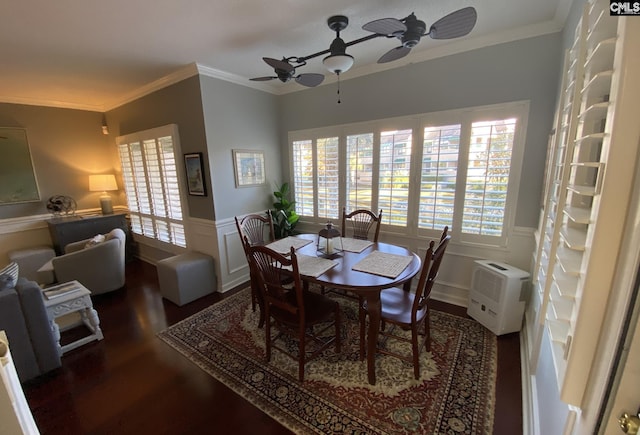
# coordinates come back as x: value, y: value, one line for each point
x: 591, y: 168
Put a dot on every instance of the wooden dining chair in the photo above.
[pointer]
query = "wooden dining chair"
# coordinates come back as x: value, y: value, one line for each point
x: 357, y: 225
x: 360, y: 222
x: 255, y: 230
x: 293, y: 311
x: 408, y: 310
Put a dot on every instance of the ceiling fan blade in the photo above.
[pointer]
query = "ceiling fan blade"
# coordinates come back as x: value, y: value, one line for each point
x: 263, y: 79
x: 278, y: 64
x: 310, y: 79
x: 385, y: 26
x: 394, y: 54
x: 454, y: 25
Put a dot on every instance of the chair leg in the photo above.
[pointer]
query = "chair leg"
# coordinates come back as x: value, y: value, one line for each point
x: 415, y: 329
x: 427, y: 332
x: 337, y: 323
x: 362, y: 315
x: 267, y: 334
x: 301, y: 353
x: 256, y: 299
x: 253, y: 297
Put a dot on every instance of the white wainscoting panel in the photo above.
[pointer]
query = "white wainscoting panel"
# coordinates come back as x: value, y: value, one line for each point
x: 202, y: 236
x: 233, y: 263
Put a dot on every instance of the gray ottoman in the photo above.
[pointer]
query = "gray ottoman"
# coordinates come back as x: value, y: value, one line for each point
x: 31, y: 259
x: 186, y: 277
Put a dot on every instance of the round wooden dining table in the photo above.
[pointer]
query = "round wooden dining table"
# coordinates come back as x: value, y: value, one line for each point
x: 367, y: 285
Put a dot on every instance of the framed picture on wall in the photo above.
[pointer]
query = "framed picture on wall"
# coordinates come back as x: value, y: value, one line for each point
x: 248, y: 166
x: 195, y: 174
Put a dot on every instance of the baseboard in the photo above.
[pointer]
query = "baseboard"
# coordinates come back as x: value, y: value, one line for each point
x: 450, y: 293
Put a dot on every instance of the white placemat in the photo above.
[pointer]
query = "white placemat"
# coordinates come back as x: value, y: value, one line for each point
x: 383, y: 264
x: 314, y: 266
x: 355, y: 245
x: 283, y: 246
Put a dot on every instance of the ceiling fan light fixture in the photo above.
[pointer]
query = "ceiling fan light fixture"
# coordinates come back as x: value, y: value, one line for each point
x: 408, y: 30
x: 338, y: 63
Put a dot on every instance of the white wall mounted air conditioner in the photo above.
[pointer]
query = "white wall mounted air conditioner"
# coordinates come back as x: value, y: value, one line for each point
x: 497, y: 296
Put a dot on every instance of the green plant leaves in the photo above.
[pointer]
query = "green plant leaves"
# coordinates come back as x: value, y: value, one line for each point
x: 284, y: 215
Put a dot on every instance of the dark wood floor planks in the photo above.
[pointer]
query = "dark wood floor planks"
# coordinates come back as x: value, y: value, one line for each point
x: 133, y: 383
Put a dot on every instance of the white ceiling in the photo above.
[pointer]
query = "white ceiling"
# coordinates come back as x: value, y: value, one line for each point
x: 95, y: 55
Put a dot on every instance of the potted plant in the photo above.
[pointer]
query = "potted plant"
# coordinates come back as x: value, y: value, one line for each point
x: 283, y: 214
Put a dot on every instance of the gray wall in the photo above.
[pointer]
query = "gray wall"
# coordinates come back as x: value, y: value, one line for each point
x: 179, y: 104
x: 237, y: 117
x: 215, y: 117
x: 521, y: 70
x: 66, y: 146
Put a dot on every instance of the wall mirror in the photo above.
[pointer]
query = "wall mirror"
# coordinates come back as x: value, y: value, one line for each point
x: 17, y: 177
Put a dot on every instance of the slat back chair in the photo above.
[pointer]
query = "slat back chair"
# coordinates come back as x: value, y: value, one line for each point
x: 357, y: 225
x: 360, y: 223
x: 293, y: 311
x: 255, y: 227
x: 410, y: 311
x: 252, y: 230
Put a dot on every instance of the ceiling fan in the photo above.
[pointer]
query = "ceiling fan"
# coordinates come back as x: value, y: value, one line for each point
x: 285, y: 72
x: 408, y: 30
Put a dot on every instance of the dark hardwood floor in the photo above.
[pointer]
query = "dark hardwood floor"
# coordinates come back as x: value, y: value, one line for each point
x: 132, y: 383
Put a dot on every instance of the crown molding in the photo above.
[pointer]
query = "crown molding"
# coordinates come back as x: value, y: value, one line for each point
x: 234, y: 78
x: 183, y: 73
x: 50, y: 103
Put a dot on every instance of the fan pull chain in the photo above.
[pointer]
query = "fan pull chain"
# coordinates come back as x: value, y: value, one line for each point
x: 338, y: 74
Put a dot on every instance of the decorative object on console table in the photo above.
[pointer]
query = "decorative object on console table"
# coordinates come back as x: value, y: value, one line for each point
x: 103, y: 183
x: 61, y: 205
x: 195, y: 170
x: 65, y: 230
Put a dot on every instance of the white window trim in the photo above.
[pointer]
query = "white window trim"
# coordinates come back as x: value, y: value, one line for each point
x: 517, y: 109
x: 140, y: 136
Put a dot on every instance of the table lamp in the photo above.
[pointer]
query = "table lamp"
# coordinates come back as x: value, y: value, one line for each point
x: 329, y: 242
x: 103, y: 183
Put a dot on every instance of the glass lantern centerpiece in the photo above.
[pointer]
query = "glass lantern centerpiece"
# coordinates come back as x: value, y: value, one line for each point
x: 329, y: 242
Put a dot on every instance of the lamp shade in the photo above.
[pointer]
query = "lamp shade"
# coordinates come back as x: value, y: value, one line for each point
x: 338, y: 63
x: 102, y: 183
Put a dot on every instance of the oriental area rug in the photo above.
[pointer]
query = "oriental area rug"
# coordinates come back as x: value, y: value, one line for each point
x: 454, y: 395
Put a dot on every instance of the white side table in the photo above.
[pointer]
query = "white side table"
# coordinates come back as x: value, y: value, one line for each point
x: 72, y: 297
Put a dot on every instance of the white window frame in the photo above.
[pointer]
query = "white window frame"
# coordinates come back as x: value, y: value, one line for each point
x: 465, y: 117
x: 153, y: 134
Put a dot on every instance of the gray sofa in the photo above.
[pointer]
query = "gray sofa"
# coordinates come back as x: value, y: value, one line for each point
x: 24, y: 319
x: 99, y: 267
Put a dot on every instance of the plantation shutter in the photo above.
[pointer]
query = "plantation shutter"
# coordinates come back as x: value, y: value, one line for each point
x: 359, y: 171
x: 490, y: 150
x: 393, y: 181
x: 327, y: 163
x: 150, y: 177
x: 303, y: 175
x: 438, y: 176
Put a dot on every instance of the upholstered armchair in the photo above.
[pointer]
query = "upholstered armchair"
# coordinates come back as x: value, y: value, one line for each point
x: 99, y: 265
x: 24, y: 319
